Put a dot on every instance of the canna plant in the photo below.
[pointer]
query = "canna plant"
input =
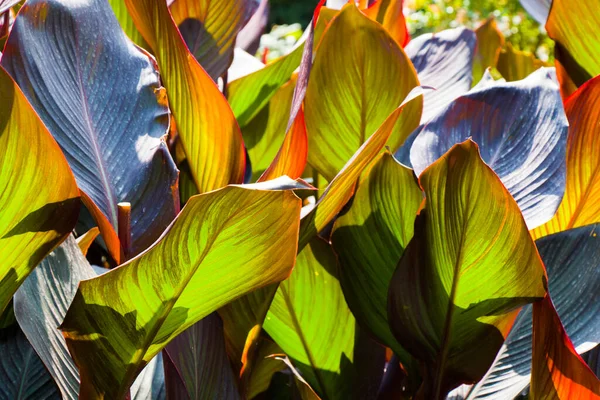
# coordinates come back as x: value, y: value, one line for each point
x: 371, y: 216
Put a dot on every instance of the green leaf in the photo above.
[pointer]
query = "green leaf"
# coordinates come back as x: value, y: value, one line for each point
x: 311, y: 322
x: 369, y: 239
x: 222, y: 245
x: 209, y: 28
x: 469, y: 267
x: 120, y: 10
x: 39, y: 197
x: 353, y: 88
x: 489, y: 43
x: 111, y: 127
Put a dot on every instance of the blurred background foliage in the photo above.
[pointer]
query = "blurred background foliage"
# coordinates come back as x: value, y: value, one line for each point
x: 289, y: 17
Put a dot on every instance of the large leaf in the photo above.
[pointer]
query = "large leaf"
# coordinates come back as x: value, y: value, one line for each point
x: 515, y: 65
x: 347, y: 98
x: 110, y: 126
x: 581, y: 202
x: 199, y: 356
x: 39, y: 197
x: 311, y: 322
x: 189, y: 273
x: 389, y: 14
x: 41, y: 304
x: 5, y: 5
x: 120, y: 10
x: 341, y: 188
x: 508, y: 121
x: 558, y: 372
x: 444, y: 61
x: 572, y: 259
x: 150, y: 383
x: 22, y: 374
x: 206, y: 127
x: 209, y: 28
x: 575, y: 31
x: 370, y: 237
x: 489, y: 43
x: 464, y: 274
x: 538, y: 9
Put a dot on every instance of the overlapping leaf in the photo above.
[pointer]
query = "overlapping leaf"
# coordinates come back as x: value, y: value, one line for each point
x: 209, y: 28
x: 515, y: 65
x: 353, y: 88
x: 572, y: 259
x: 199, y: 356
x: 558, y: 372
x: 443, y: 61
x: 580, y: 205
x: 489, y: 43
x: 370, y: 237
x: 185, y: 276
x: 39, y: 198
x: 310, y: 320
x: 110, y: 126
x: 464, y: 274
x: 575, y: 31
x: 538, y: 9
x: 120, y: 10
x: 389, y: 14
x: 509, y: 121
x: 206, y: 126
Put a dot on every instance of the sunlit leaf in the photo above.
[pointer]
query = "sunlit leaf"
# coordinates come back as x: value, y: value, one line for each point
x: 110, y: 126
x: 464, y: 274
x: 222, y: 245
x: 206, y: 127
x: 572, y: 260
x: 209, y: 28
x: 575, y: 31
x: 581, y: 202
x: 85, y: 241
x: 311, y: 322
x: 370, y: 237
x: 509, y: 121
x: 389, y: 14
x: 443, y: 61
x: 489, y: 43
x: 538, y: 9
x: 515, y: 65
x: 39, y: 197
x: 557, y: 372
x: 120, y: 10
x: 353, y: 88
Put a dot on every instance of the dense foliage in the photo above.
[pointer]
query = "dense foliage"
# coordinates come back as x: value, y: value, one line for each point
x: 373, y: 215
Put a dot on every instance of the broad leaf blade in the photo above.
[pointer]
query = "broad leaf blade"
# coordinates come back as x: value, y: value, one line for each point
x: 538, y: 9
x: 489, y: 43
x: 112, y: 334
x: 508, y: 121
x: 580, y: 205
x: 464, y: 274
x: 515, y: 65
x: 207, y: 129
x: 558, y: 372
x: 210, y: 27
x: 310, y: 320
x: 370, y: 237
x: 443, y: 61
x: 572, y: 259
x: 199, y: 356
x: 120, y: 10
x: 348, y: 97
x: 39, y: 198
x: 110, y: 126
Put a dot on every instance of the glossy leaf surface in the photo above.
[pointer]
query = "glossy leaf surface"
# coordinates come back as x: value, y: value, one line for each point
x: 206, y: 126
x: 110, y: 126
x: 443, y: 61
x: 464, y: 274
x: 509, y: 121
x: 558, y: 372
x: 209, y: 28
x: 575, y: 31
x: 580, y: 205
x: 370, y: 237
x: 310, y: 320
x: 345, y: 105
x: 112, y: 334
x: 571, y: 259
x: 39, y: 198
